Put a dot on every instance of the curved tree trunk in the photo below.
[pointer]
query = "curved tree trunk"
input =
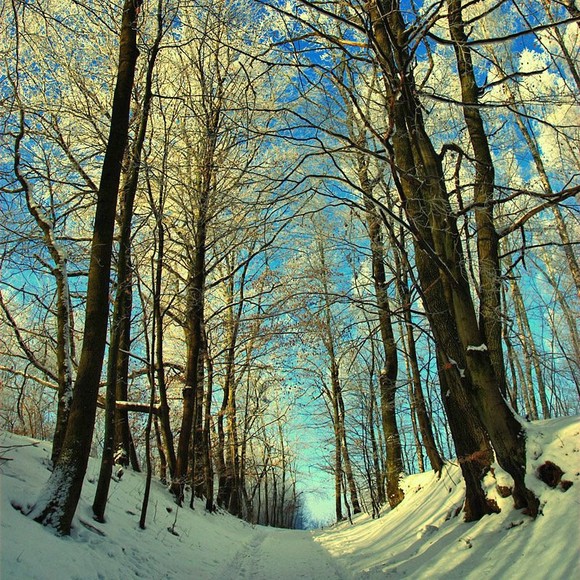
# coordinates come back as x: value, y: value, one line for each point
x: 64, y: 316
x: 483, y: 190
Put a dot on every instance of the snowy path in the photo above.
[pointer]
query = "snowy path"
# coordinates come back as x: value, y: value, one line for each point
x: 418, y: 540
x: 274, y: 554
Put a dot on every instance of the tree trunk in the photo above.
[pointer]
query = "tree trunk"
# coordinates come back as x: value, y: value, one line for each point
x: 483, y: 189
x: 388, y: 376
x: 158, y: 314
x: 57, y: 503
x: 337, y: 392
x: 417, y: 397
x: 229, y: 494
x: 379, y: 482
x: 531, y: 355
x: 197, y: 464
x: 193, y: 335
x: 337, y: 460
x: 207, y: 461
x: 64, y: 316
x: 118, y: 364
x: 125, y: 446
x: 420, y: 180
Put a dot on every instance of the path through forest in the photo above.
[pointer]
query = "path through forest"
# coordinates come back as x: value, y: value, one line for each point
x: 282, y: 555
x: 421, y: 539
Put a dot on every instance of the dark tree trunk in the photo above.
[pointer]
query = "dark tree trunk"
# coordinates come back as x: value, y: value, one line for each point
x: 472, y: 448
x: 207, y: 459
x: 337, y: 392
x: 228, y: 458
x: 483, y: 189
x: 118, y: 364
x: 425, y: 426
x: 57, y: 504
x: 197, y: 467
x: 223, y: 489
x: 423, y: 418
x: 388, y: 376
x: 193, y: 335
x: 158, y: 315
x: 420, y: 181
x: 337, y: 460
x: 125, y: 445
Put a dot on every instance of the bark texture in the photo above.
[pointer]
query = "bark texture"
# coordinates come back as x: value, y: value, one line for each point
x: 58, y: 502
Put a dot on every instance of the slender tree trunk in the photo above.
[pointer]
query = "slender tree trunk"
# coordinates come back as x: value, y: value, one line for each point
x: 150, y: 421
x: 388, y: 376
x: 232, y: 458
x: 415, y: 428
x: 207, y: 461
x: 161, y: 451
x: 571, y: 322
x: 125, y: 446
x: 57, y: 503
x: 223, y: 491
x: 193, y: 334
x: 380, y: 484
x: 337, y: 460
x: 337, y: 392
x: 228, y: 493
x: 561, y: 227
x: 417, y: 396
x: 158, y: 314
x: 531, y: 355
x: 511, y: 354
x: 64, y: 335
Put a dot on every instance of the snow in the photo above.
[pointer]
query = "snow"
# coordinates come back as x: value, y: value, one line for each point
x: 479, y: 348
x: 422, y: 538
x: 456, y: 364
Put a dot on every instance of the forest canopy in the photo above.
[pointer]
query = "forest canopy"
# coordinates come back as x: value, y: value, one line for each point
x: 245, y: 238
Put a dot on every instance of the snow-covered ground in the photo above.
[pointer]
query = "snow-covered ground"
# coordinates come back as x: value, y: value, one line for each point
x: 420, y: 539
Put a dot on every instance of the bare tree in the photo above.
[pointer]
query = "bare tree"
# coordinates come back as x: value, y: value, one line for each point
x: 57, y: 503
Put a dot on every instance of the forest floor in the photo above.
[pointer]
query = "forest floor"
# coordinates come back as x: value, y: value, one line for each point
x: 422, y: 538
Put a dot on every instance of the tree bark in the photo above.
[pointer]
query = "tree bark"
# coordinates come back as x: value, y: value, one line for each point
x: 118, y: 364
x: 388, y: 376
x: 420, y: 180
x: 337, y: 392
x: 417, y: 397
x: 483, y: 197
x: 57, y: 504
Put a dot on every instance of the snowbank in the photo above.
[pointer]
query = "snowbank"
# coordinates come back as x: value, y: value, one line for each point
x: 422, y: 538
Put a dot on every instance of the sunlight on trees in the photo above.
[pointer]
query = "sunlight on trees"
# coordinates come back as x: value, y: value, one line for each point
x: 303, y: 235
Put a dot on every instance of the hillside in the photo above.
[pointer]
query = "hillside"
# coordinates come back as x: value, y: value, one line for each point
x: 420, y: 539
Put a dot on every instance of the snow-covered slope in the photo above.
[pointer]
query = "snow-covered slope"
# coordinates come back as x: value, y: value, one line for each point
x: 420, y: 539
